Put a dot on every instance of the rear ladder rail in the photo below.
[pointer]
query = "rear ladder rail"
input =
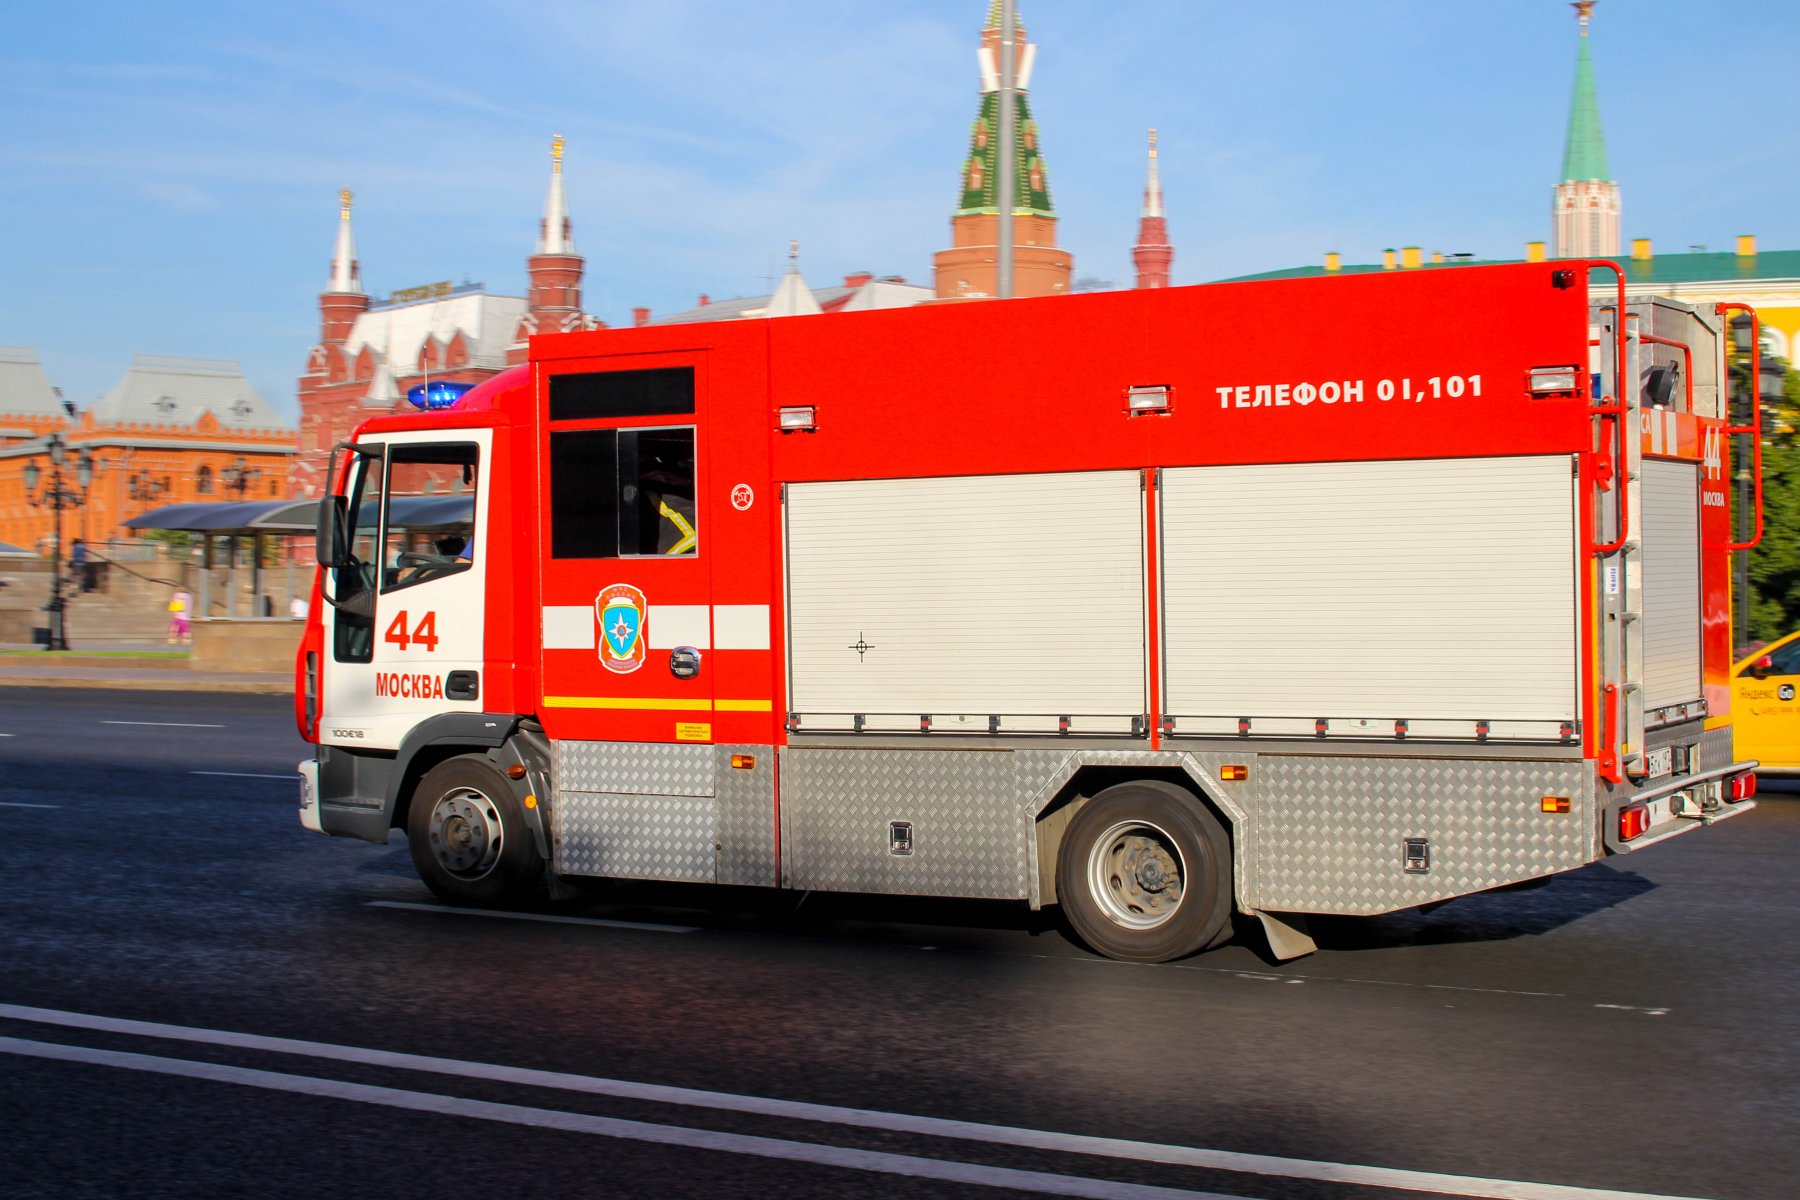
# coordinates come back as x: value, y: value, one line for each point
x: 1619, y: 560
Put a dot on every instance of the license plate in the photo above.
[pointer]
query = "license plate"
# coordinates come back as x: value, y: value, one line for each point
x: 1660, y: 762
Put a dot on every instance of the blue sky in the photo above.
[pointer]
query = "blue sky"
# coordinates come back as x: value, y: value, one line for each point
x: 169, y: 173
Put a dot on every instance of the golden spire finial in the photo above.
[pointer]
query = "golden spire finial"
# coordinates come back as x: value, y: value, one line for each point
x: 1153, y: 143
x: 1584, y: 12
x: 344, y: 199
x: 556, y: 150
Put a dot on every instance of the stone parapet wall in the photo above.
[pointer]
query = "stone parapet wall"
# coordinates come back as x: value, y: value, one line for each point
x: 245, y: 645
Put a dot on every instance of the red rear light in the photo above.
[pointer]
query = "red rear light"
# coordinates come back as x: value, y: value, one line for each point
x: 1634, y: 819
x: 1743, y: 786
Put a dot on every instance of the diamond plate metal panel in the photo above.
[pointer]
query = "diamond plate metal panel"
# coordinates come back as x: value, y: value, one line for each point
x: 972, y: 831
x: 635, y: 836
x: 1716, y: 749
x: 747, y: 818
x: 647, y: 768
x: 1329, y: 830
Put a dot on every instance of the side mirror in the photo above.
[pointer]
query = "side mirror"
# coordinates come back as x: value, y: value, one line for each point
x: 1762, y: 666
x: 334, y: 520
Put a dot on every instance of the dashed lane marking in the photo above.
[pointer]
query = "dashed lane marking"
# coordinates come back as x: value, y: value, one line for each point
x: 547, y: 918
x: 291, y: 778
x: 21, y: 804
x: 1002, y: 1135
x: 166, y: 724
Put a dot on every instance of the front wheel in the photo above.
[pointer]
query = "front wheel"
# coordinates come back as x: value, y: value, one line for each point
x: 468, y: 836
x: 1145, y: 874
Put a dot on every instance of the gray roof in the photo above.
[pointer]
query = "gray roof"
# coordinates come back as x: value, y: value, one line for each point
x: 877, y: 293
x: 175, y: 391
x: 24, y: 388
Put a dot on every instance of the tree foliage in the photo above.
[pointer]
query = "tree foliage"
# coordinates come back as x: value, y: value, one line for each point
x: 1775, y: 563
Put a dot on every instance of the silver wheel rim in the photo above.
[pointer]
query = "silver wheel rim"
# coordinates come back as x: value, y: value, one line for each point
x: 465, y: 833
x: 1136, y: 874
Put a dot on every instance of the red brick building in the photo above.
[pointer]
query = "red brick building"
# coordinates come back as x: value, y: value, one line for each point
x: 370, y: 354
x: 171, y: 430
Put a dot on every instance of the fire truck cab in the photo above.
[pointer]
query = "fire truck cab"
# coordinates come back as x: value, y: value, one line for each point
x: 1322, y: 596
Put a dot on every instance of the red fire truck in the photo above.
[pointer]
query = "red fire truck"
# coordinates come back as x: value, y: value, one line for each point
x: 1336, y: 595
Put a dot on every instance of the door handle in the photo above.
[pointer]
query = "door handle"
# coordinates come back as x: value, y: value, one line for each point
x: 462, y: 685
x: 684, y: 662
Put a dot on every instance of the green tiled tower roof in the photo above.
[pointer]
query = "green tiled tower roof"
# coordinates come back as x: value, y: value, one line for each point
x: 1031, y: 191
x: 1584, y: 153
x: 981, y: 169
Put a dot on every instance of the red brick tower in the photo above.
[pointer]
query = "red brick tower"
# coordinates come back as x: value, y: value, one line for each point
x: 1153, y: 254
x: 344, y: 300
x: 553, y: 301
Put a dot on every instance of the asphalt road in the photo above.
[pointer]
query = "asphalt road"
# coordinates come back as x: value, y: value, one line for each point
x: 197, y: 998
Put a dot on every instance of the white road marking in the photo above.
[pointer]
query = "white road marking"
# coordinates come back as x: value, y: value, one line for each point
x: 1069, y: 1143
x: 547, y: 918
x: 165, y: 724
x: 18, y: 804
x: 293, y: 778
x: 1296, y: 978
x: 1654, y: 1012
x: 614, y: 1127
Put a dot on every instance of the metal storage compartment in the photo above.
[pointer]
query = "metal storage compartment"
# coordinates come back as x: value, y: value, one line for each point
x: 986, y: 603
x: 1438, y: 592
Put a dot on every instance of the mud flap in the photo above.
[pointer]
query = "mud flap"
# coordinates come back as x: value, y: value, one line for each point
x: 1287, y: 934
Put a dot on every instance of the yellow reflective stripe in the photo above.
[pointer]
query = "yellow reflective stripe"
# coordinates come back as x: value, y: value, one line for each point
x: 689, y: 539
x: 665, y: 704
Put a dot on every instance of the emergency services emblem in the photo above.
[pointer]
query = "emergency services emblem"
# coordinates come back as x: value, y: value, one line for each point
x: 621, y: 611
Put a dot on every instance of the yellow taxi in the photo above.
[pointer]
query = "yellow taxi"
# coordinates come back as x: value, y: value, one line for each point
x: 1765, y: 713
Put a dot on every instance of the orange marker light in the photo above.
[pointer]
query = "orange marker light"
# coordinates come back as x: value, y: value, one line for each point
x: 530, y: 801
x: 1234, y: 774
x: 1634, y: 819
x: 516, y: 771
x: 743, y: 762
x: 1554, y: 804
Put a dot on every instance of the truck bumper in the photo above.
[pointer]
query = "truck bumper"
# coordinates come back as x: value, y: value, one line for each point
x: 309, y: 796
x: 1677, y: 807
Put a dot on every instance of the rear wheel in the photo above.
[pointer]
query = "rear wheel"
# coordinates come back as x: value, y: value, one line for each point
x: 468, y: 836
x: 1145, y: 874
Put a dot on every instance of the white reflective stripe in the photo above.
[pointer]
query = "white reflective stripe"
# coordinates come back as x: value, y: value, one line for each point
x: 672, y: 625
x: 732, y: 626
x: 568, y: 627
x: 741, y: 627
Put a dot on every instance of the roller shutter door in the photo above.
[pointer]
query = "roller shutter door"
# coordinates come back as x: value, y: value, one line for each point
x: 1441, y: 592
x: 1015, y: 597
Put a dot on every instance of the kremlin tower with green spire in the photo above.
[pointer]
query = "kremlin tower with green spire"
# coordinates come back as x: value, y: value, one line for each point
x: 1585, y: 212
x: 969, y: 267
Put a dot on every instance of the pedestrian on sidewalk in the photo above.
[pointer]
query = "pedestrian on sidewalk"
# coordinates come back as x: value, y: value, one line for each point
x: 83, y: 566
x: 180, y: 629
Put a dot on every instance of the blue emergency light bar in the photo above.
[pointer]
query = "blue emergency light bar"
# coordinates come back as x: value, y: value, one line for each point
x: 439, y: 393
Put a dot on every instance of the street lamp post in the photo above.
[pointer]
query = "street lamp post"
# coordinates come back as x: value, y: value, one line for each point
x: 239, y: 476
x: 56, y: 497
x: 143, y: 486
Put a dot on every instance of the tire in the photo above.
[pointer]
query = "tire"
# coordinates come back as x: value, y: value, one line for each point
x: 468, y: 836
x: 1144, y: 874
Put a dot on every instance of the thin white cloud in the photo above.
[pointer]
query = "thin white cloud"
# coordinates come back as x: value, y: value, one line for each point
x: 182, y: 197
